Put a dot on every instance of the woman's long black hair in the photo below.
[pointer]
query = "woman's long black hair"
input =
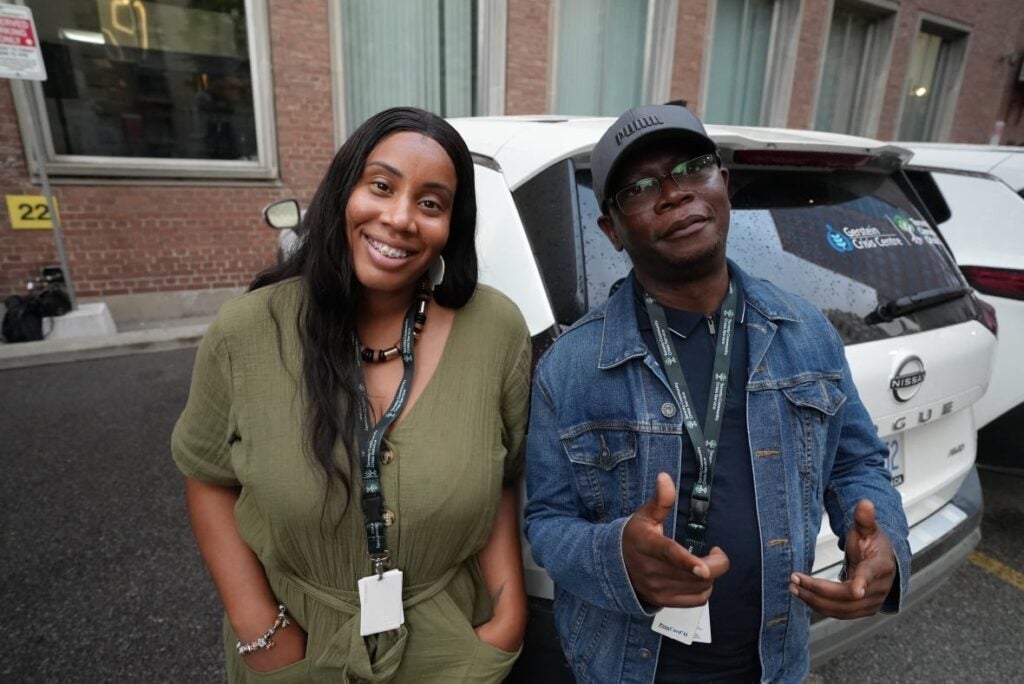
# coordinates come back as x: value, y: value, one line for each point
x: 323, y: 262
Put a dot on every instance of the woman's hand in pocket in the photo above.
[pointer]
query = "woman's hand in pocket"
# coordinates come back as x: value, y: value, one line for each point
x: 505, y: 635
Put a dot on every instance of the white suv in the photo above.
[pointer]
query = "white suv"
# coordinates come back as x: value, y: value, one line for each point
x: 976, y: 196
x: 826, y: 216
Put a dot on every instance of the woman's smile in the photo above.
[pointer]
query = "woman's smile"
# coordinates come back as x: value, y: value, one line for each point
x: 389, y: 251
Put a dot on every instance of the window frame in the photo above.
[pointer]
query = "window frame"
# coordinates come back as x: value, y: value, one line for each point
x: 780, y: 71
x: 492, y: 37
x: 28, y: 98
x: 659, y: 51
x: 946, y: 106
x: 873, y: 114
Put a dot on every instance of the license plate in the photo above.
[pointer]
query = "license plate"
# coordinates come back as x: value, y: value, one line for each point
x: 895, y: 461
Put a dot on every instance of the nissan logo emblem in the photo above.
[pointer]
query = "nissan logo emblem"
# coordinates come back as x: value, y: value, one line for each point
x: 907, y: 380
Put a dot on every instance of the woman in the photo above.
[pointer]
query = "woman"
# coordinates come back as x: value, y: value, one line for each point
x: 321, y: 455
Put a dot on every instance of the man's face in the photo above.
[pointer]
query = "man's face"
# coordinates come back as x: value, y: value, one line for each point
x: 683, y: 234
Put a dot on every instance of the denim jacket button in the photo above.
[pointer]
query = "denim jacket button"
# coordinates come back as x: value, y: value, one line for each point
x: 668, y: 409
x: 645, y: 654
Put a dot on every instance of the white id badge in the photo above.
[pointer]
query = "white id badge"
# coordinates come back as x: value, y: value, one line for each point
x: 380, y: 600
x: 702, y: 635
x: 678, y: 623
x: 687, y: 625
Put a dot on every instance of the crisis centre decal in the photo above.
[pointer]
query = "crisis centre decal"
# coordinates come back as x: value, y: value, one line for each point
x: 902, y: 231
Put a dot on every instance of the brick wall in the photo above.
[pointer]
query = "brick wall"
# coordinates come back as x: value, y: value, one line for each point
x: 688, y: 61
x: 814, y: 23
x: 526, y: 65
x: 995, y: 28
x: 125, y: 239
x: 147, y: 237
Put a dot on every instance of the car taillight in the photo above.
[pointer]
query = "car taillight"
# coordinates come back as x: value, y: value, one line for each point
x: 829, y: 160
x: 988, y: 317
x: 998, y: 282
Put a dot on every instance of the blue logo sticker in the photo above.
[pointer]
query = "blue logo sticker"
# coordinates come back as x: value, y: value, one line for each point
x: 837, y: 240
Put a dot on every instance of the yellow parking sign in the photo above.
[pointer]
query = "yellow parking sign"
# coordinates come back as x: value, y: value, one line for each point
x: 29, y: 212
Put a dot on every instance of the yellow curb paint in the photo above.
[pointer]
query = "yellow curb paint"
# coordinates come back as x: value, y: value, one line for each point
x: 1000, y: 570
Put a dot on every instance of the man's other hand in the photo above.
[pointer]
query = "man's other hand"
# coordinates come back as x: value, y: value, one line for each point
x: 870, y: 570
x: 662, y: 572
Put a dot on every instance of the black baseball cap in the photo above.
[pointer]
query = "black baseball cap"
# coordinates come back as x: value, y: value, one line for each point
x: 641, y: 123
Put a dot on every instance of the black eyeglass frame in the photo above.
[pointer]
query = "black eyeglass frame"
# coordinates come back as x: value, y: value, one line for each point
x: 658, y: 179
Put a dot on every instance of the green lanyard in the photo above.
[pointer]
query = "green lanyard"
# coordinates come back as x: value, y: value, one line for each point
x: 704, y: 440
x: 370, y: 438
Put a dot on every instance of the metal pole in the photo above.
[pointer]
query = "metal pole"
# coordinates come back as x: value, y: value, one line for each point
x: 58, y: 235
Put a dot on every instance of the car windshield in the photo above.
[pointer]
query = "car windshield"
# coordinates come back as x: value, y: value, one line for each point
x: 847, y: 241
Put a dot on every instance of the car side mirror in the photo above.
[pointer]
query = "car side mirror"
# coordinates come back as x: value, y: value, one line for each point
x: 282, y: 214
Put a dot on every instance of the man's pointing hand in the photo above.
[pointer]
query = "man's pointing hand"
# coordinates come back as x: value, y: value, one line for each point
x: 662, y: 572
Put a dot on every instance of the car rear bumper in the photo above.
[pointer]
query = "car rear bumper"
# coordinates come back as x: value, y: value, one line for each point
x: 940, y: 543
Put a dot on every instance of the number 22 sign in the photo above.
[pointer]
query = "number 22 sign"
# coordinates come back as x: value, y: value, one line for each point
x: 30, y: 212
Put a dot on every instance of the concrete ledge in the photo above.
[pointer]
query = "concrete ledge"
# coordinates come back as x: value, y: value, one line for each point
x: 158, y: 306
x: 25, y: 354
x: 88, y: 320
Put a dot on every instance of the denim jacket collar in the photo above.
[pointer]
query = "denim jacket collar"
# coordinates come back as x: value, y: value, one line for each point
x: 621, y: 340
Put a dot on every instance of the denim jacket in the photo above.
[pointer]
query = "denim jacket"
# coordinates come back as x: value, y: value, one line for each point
x: 604, y: 423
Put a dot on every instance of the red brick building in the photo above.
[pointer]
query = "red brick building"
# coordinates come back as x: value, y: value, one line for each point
x: 170, y: 123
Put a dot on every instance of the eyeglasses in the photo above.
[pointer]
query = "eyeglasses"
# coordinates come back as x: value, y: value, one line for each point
x: 644, y: 194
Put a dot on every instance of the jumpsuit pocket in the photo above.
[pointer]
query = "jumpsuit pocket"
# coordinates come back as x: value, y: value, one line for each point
x: 459, y: 654
x: 293, y: 672
x: 605, y: 470
x: 239, y: 671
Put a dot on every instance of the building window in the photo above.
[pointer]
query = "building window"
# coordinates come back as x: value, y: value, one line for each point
x: 610, y: 55
x: 155, y: 88
x: 852, y: 79
x: 752, y: 57
x: 445, y: 56
x: 933, y: 82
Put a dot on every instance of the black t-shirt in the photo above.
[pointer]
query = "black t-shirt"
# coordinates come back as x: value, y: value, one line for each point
x: 732, y: 655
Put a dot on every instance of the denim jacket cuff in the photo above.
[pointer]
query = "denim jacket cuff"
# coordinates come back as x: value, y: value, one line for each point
x: 901, y: 550
x: 616, y: 577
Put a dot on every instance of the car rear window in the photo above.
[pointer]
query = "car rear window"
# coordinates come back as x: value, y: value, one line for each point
x: 847, y: 241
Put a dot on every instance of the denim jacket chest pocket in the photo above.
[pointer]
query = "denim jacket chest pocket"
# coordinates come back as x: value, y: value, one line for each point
x: 813, y: 404
x: 604, y: 465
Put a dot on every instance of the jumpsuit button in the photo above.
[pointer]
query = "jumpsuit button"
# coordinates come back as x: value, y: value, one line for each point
x: 387, y: 456
x: 389, y: 517
x: 668, y: 409
x: 645, y: 654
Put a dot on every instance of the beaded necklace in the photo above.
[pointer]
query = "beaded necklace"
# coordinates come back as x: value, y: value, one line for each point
x: 371, y: 355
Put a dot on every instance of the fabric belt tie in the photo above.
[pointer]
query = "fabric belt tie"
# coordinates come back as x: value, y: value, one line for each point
x: 350, y: 657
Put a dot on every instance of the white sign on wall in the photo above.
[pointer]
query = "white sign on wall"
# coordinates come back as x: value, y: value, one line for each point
x: 20, y: 56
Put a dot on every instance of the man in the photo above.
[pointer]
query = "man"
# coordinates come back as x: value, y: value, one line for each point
x: 685, y: 437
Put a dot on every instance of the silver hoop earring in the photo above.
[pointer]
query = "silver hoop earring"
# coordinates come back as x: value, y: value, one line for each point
x: 436, y: 273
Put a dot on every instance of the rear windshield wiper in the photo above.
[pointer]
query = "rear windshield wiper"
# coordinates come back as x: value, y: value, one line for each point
x: 915, y: 302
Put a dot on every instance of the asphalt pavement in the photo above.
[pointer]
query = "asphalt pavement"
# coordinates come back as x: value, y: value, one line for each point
x: 102, y: 580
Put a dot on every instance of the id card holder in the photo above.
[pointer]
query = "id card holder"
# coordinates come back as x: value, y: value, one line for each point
x: 685, y: 625
x: 380, y: 601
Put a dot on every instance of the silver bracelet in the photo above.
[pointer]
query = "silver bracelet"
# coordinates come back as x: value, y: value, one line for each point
x: 265, y: 641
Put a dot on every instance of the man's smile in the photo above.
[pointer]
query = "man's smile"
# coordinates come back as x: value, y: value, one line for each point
x: 686, y: 227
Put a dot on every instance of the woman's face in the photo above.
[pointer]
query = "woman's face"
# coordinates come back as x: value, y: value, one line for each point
x: 399, y: 211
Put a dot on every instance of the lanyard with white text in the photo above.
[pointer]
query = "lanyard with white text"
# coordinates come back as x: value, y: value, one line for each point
x: 370, y: 438
x: 704, y: 440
